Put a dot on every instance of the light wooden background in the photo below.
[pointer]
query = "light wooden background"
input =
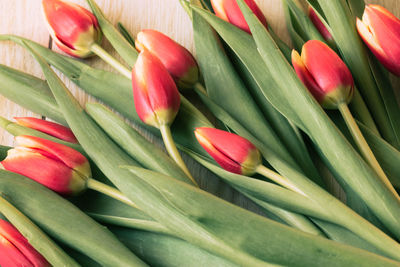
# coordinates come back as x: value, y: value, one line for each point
x: 23, y: 17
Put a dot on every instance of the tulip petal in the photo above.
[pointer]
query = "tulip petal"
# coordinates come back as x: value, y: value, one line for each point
x: 325, y: 66
x: 306, y: 77
x: 10, y: 256
x: 233, y: 152
x: 319, y: 24
x: 156, y: 96
x: 175, y: 58
x: 13, y: 236
x: 48, y: 127
x: 70, y: 157
x: 380, y: 30
x: 47, y: 171
x: 73, y: 28
x: 229, y: 10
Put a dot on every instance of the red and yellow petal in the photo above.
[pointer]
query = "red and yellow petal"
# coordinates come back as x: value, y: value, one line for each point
x: 47, y: 171
x: 73, y: 28
x: 306, y: 78
x: 70, y: 157
x: 232, y: 152
x: 48, y: 127
x: 380, y: 31
x: 229, y: 10
x: 156, y: 96
x: 176, y: 59
x: 20, y: 243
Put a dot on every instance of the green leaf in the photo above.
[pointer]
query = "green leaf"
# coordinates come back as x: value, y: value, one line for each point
x: 126, y: 34
x: 217, y: 219
x: 121, y: 45
x: 39, y: 240
x: 143, y: 151
x: 3, y: 152
x: 167, y: 251
x: 63, y: 221
x: 35, y: 93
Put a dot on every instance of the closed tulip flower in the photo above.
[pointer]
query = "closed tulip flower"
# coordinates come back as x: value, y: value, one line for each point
x: 51, y: 128
x: 156, y: 96
x: 176, y: 59
x: 380, y: 31
x: 238, y: 155
x: 56, y: 166
x: 157, y: 100
x: 73, y: 28
x: 229, y: 11
x: 232, y: 152
x: 324, y: 73
x: 15, y: 249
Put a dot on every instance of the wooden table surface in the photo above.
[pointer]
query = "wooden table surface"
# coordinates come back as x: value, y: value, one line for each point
x: 24, y: 18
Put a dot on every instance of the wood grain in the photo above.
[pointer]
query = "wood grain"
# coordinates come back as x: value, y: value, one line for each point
x: 24, y: 18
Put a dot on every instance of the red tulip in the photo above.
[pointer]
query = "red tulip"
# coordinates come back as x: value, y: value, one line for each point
x: 58, y: 167
x: 324, y: 74
x: 73, y: 28
x: 380, y: 31
x: 229, y: 11
x: 232, y: 152
x: 156, y: 96
x: 51, y: 128
x: 15, y: 250
x: 176, y: 59
x: 319, y: 24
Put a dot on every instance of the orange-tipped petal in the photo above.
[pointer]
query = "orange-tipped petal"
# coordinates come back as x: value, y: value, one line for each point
x: 176, y: 59
x: 15, y: 249
x: 229, y: 10
x: 319, y: 24
x: 333, y: 79
x: 380, y: 31
x: 48, y: 127
x: 156, y: 96
x: 232, y: 152
x: 73, y: 28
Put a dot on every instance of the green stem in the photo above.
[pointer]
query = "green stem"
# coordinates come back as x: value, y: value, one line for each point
x: 109, y: 191
x: 103, y: 54
x: 277, y: 178
x: 363, y: 146
x: 200, y: 88
x: 173, y: 151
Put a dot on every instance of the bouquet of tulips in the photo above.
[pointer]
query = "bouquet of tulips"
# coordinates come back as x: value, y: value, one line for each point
x: 281, y: 125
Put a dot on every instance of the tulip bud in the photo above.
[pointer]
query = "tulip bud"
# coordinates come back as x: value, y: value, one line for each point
x: 51, y: 128
x: 319, y: 24
x: 73, y: 28
x: 324, y: 74
x: 380, y: 31
x: 15, y: 249
x: 156, y: 96
x: 56, y: 166
x: 176, y: 59
x: 229, y: 11
x: 232, y: 152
